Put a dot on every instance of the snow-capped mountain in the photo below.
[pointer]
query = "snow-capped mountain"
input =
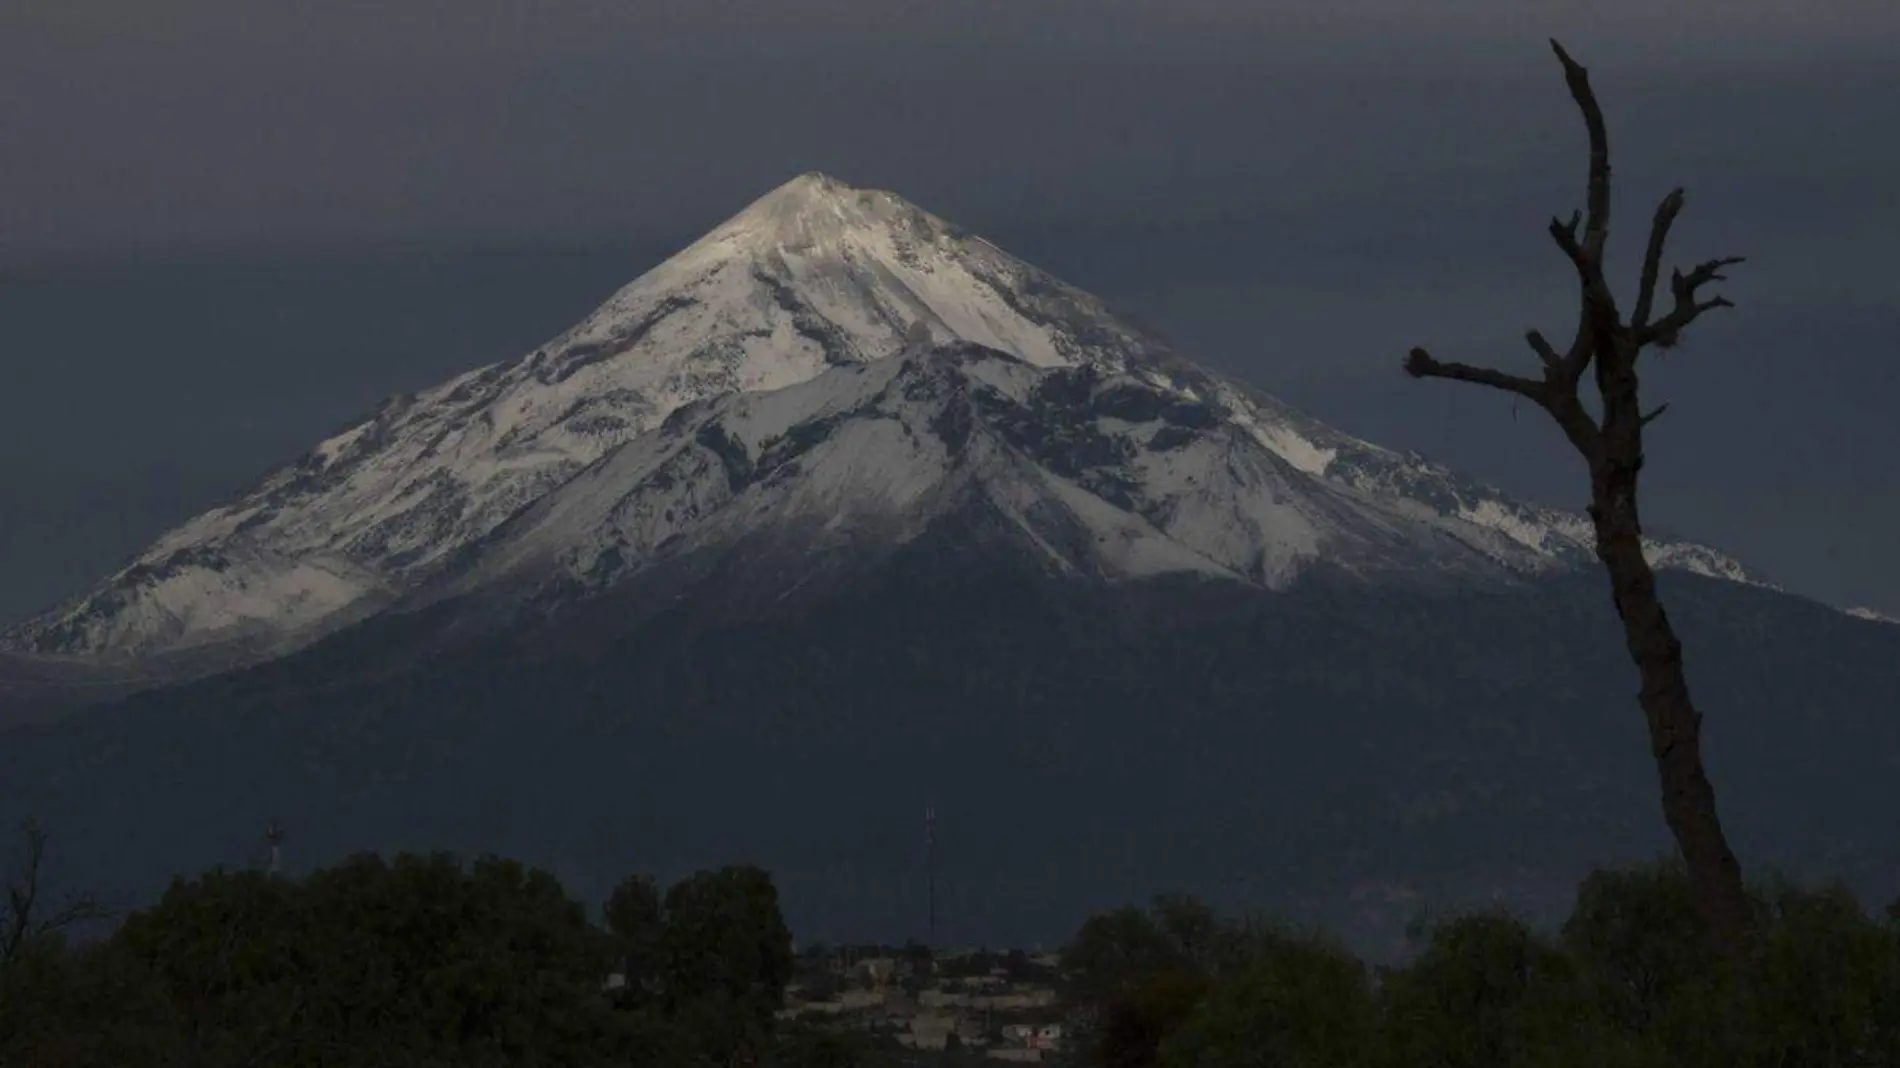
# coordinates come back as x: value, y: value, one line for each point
x: 828, y: 354
x: 1091, y: 472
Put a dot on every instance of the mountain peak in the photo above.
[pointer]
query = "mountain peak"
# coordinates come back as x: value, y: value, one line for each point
x: 810, y: 191
x: 816, y: 213
x: 813, y: 280
x: 814, y: 183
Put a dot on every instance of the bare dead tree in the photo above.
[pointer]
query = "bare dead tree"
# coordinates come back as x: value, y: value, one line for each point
x: 26, y: 914
x: 1612, y: 445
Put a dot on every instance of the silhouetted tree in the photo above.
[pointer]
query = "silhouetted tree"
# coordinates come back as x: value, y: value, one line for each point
x: 1485, y: 990
x: 634, y: 920
x: 1295, y: 1000
x: 416, y: 961
x: 1136, y: 1023
x: 28, y: 913
x: 1637, y: 937
x: 1136, y: 976
x: 62, y: 1008
x: 1826, y: 986
x: 1611, y: 443
x: 1117, y: 952
x: 726, y: 958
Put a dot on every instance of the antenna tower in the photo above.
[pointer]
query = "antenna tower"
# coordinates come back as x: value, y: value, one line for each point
x: 275, y: 836
x: 930, y: 872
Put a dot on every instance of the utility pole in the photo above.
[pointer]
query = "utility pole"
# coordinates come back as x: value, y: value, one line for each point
x: 930, y: 872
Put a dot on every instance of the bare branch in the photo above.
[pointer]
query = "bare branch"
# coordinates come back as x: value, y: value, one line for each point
x: 19, y: 922
x: 1420, y: 364
x: 82, y: 909
x: 1565, y: 234
x: 1703, y: 274
x: 1552, y: 361
x: 1653, y: 416
x: 1652, y: 257
x: 23, y: 893
x: 1687, y: 308
x: 1597, y: 312
x: 1597, y: 228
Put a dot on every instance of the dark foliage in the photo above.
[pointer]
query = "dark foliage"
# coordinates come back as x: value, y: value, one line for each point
x: 1631, y: 981
x: 421, y: 960
x: 426, y: 961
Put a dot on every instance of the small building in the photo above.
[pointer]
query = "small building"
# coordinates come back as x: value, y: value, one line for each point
x: 1046, y: 1036
x: 879, y: 970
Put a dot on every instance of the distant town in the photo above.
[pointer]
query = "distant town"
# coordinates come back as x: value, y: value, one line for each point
x: 1003, y: 1004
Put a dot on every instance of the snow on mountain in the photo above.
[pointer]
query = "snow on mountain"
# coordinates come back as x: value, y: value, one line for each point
x: 1097, y: 473
x: 1422, y: 488
x: 1873, y: 615
x: 812, y: 277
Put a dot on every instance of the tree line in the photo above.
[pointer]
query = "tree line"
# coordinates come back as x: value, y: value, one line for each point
x: 1631, y: 980
x: 427, y: 960
x: 416, y: 960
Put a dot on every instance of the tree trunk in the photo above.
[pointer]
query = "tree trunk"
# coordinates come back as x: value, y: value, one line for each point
x: 1614, y: 451
x: 1675, y: 727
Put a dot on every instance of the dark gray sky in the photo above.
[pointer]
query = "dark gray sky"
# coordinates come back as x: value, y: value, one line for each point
x: 228, y: 226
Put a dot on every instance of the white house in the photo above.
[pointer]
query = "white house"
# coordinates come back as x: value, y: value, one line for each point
x: 1034, y: 1036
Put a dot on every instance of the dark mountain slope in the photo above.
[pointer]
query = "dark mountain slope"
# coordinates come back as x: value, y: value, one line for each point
x: 1327, y: 750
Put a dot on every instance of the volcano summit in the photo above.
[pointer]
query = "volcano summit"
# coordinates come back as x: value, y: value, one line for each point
x: 1067, y: 416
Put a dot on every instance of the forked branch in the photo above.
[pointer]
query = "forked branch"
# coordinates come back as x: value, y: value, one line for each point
x: 1688, y: 308
x: 1601, y: 333
x: 1564, y: 232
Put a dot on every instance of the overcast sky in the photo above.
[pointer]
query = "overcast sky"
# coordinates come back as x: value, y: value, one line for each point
x: 228, y: 226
